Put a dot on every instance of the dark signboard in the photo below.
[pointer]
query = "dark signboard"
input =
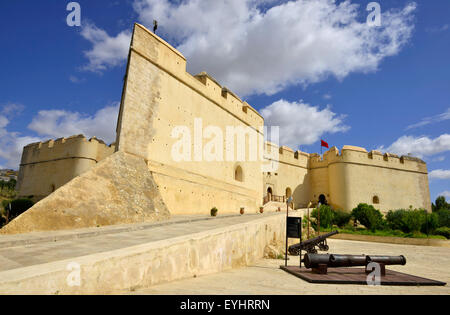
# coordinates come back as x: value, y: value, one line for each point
x: 294, y: 227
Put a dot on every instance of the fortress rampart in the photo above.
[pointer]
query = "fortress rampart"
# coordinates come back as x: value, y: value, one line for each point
x: 346, y: 179
x: 291, y: 177
x: 46, y: 166
x: 160, y: 96
x: 360, y: 156
x: 167, y: 125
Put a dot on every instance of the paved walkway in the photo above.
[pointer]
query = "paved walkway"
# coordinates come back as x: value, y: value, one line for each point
x: 265, y: 277
x: 18, y: 251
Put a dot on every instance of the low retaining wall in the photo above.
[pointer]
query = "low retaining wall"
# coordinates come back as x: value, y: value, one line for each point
x: 393, y: 240
x: 149, y: 264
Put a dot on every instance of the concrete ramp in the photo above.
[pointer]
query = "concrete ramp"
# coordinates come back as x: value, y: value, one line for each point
x: 118, y: 190
x: 274, y: 205
x: 134, y: 256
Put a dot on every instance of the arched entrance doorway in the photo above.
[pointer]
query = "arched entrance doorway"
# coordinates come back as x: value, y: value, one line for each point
x: 269, y: 194
x: 288, y: 192
x: 323, y: 199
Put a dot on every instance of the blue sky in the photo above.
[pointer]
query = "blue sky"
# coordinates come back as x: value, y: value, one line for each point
x: 301, y: 64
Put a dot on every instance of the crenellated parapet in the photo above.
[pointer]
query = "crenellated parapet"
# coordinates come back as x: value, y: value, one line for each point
x: 48, y: 165
x: 157, y: 51
x: 286, y: 155
x: 317, y: 161
x: 360, y: 156
x: 66, y: 148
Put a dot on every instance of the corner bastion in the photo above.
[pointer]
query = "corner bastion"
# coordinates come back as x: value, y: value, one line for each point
x: 386, y: 181
x: 46, y: 166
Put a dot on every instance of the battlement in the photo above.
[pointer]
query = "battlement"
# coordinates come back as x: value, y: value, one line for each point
x: 349, y: 154
x: 72, y: 147
x: 155, y: 50
x: 358, y: 155
x: 286, y: 155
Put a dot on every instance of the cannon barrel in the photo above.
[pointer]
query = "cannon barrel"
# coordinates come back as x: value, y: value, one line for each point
x: 387, y: 260
x: 311, y: 242
x: 317, y: 239
x: 313, y: 260
x: 347, y: 260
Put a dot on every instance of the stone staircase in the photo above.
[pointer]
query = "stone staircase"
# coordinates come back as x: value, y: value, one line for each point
x: 272, y: 206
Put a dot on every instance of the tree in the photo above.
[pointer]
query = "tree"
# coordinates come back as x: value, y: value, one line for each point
x: 368, y: 216
x: 326, y: 216
x: 440, y: 203
x: 14, y: 208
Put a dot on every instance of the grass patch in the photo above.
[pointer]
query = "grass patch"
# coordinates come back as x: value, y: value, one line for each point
x: 388, y: 233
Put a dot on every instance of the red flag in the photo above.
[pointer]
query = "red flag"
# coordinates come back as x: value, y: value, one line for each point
x: 324, y: 144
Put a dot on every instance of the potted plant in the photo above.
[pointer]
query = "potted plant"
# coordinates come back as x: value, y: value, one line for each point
x: 261, y: 209
x: 214, y: 212
x: 242, y: 210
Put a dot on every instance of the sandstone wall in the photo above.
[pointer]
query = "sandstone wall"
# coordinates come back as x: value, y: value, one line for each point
x: 357, y: 176
x: 292, y: 175
x: 354, y: 176
x: 153, y: 263
x: 159, y: 95
x: 118, y: 190
x: 46, y: 166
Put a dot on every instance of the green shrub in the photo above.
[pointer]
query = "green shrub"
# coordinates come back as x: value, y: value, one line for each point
x: 412, y: 221
x: 431, y: 223
x: 2, y: 218
x: 341, y: 218
x: 395, y: 220
x: 214, y: 212
x: 415, y: 220
x: 443, y: 217
x: 5, y: 203
x: 368, y: 216
x: 18, y: 207
x: 7, y: 189
x: 326, y: 216
x: 444, y: 231
x: 349, y: 227
x: 440, y: 204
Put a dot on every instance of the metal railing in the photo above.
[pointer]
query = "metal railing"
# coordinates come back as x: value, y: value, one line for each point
x: 269, y: 198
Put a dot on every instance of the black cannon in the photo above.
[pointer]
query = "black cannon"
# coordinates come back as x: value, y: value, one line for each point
x: 335, y: 261
x: 347, y: 260
x: 387, y: 260
x: 310, y: 245
x: 314, y: 260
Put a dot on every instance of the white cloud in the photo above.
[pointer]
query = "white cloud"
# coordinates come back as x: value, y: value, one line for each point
x: 300, y: 123
x: 54, y: 124
x: 439, y: 158
x: 75, y: 79
x: 251, y: 50
x: 11, y: 145
x: 107, y: 51
x: 430, y: 120
x: 439, y: 174
x: 62, y: 123
x: 11, y: 109
x: 419, y: 146
x: 446, y: 194
x: 442, y: 28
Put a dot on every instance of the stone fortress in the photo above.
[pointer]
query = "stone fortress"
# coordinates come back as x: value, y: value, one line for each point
x: 85, y: 183
x: 46, y: 166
